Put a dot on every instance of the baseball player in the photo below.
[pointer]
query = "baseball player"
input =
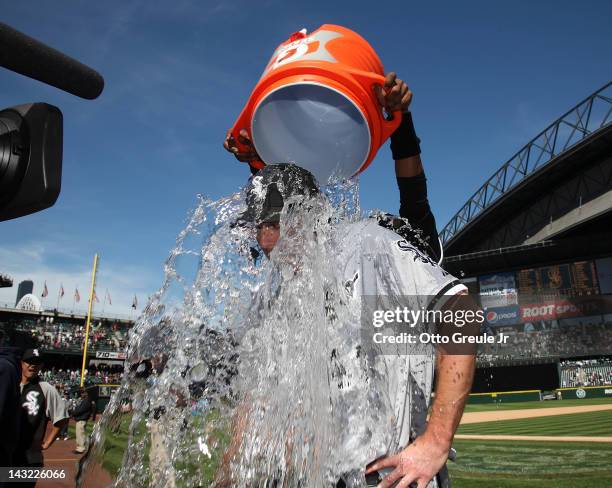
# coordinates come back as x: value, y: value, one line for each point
x: 40, y: 403
x: 374, y: 260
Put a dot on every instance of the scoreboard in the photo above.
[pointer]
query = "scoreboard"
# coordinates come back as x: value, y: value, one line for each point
x: 550, y: 292
x: 568, y: 280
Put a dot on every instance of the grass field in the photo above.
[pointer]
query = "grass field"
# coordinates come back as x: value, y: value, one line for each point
x: 500, y: 464
x: 513, y: 464
x: 114, y: 445
x: 572, y: 424
x: 486, y: 407
x: 510, y: 464
x: 201, y: 467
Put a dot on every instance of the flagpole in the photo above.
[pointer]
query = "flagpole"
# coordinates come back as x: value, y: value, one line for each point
x: 133, y: 307
x: 91, y: 293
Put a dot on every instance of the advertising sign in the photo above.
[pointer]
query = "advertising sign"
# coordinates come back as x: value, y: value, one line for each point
x: 110, y: 355
x: 502, y: 316
x: 548, y: 310
x: 497, y: 290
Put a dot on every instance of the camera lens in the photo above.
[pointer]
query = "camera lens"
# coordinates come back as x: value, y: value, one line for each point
x: 12, y: 155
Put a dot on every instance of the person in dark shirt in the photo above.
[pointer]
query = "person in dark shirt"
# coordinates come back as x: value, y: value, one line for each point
x: 10, y: 375
x: 84, y: 410
x: 40, y: 403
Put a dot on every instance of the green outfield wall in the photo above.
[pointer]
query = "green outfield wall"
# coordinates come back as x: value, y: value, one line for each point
x: 506, y: 396
x: 586, y: 392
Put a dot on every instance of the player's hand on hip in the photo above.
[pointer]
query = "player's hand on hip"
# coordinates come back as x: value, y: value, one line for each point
x: 394, y: 95
x: 414, y: 466
x: 243, y: 155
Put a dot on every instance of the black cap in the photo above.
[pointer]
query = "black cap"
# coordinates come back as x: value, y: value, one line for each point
x: 32, y: 356
x: 270, y: 187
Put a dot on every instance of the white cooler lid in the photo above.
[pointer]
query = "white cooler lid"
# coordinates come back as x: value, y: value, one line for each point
x: 313, y: 126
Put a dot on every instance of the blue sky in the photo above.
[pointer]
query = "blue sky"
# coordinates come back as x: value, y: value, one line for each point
x: 487, y: 77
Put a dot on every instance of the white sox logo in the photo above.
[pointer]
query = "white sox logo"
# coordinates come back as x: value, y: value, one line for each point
x: 418, y: 255
x: 32, y: 403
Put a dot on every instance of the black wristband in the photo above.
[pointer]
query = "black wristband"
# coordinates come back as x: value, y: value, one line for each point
x: 414, y: 206
x: 413, y: 192
x: 404, y: 141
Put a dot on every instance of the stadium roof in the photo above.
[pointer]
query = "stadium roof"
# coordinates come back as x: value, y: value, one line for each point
x: 572, y: 144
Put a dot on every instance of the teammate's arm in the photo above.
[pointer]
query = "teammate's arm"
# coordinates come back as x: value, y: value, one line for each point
x: 52, y: 434
x: 406, y: 150
x: 56, y: 412
x: 249, y: 155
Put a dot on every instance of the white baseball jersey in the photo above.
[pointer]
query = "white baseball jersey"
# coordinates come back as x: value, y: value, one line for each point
x: 378, y: 262
x: 367, y: 260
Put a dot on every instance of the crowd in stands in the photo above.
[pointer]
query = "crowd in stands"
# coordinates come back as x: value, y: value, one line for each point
x: 591, y: 372
x: 52, y: 333
x: 585, y: 337
x: 561, y: 341
x: 70, y: 379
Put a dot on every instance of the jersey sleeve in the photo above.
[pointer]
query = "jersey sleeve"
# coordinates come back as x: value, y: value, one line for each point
x: 420, y: 275
x: 56, y: 406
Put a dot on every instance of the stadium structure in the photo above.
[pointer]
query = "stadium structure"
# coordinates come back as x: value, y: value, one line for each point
x: 534, y: 244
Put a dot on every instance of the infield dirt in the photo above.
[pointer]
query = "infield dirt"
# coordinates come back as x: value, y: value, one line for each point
x: 492, y: 416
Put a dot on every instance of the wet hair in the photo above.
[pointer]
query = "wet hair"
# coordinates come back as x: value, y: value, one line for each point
x: 270, y: 187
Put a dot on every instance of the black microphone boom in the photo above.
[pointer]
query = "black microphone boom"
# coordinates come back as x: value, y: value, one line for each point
x: 32, y: 58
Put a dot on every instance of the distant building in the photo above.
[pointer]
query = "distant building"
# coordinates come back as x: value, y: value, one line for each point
x: 25, y: 287
x: 30, y: 303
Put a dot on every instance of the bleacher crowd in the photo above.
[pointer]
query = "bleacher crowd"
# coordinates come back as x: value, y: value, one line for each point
x: 56, y: 334
x: 558, y: 341
x: 70, y: 379
x: 589, y: 372
x: 591, y: 336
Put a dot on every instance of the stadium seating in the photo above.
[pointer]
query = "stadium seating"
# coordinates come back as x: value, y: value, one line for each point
x: 589, y: 372
x: 56, y: 335
x: 559, y: 342
x: 70, y: 379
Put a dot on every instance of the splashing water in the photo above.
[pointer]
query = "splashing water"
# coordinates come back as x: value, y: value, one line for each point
x: 243, y: 370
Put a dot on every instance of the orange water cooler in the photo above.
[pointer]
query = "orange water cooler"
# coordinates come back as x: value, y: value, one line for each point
x: 315, y: 105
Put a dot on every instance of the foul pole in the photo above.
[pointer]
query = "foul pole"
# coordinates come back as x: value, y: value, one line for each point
x: 91, y: 293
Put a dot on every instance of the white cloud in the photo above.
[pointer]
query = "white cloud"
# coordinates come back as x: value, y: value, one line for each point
x: 29, y: 262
